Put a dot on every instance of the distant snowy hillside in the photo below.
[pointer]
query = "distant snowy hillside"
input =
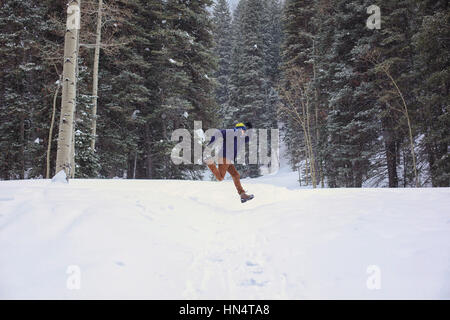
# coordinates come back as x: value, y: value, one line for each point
x: 194, y: 239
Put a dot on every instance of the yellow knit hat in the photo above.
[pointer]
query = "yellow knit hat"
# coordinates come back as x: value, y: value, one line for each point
x: 240, y: 125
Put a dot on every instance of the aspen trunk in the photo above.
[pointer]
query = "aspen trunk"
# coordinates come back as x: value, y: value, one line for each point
x: 50, y: 133
x: 72, y: 153
x: 297, y: 94
x: 408, y: 120
x: 22, y: 146
x: 95, y: 74
x: 316, y: 118
x: 135, y: 163
x: 312, y: 166
x: 65, y: 136
x: 149, y: 160
x: 306, y: 166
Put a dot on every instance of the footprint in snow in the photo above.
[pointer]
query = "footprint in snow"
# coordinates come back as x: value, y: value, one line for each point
x: 215, y: 259
x: 253, y: 282
x: 255, y: 268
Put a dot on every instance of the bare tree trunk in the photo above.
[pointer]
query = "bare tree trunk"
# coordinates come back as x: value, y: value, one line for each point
x: 135, y: 163
x: 316, y: 117
x: 65, y: 136
x: 312, y: 166
x: 95, y: 75
x: 22, y: 146
x: 391, y: 152
x: 312, y: 163
x: 149, y: 159
x: 50, y: 133
x: 298, y: 94
x: 404, y: 170
x: 306, y: 165
x: 72, y: 153
x: 405, y: 112
x: 373, y: 57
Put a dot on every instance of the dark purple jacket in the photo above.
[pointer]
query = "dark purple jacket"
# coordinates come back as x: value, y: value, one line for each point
x: 238, y: 143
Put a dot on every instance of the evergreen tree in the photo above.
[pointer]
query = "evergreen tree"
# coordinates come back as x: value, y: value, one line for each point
x: 222, y: 50
x: 191, y: 49
x: 298, y: 29
x: 322, y: 41
x: 249, y: 76
x: 87, y: 163
x: 433, y: 73
x: 393, y: 52
x: 272, y: 39
x: 236, y: 64
x: 159, y: 82
x: 253, y: 81
x: 131, y: 96
x: 352, y: 123
x: 296, y: 62
x: 190, y: 66
x: 23, y: 25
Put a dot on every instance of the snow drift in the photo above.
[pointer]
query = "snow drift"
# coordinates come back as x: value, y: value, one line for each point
x: 194, y: 240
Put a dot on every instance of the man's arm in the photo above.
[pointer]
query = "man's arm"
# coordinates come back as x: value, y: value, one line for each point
x: 212, y: 140
x: 249, y: 134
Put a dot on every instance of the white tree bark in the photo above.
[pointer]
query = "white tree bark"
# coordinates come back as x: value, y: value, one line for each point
x: 72, y: 153
x: 65, y: 136
x: 95, y: 74
x: 50, y: 134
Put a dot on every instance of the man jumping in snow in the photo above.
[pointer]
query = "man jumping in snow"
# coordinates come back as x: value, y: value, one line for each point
x: 224, y: 160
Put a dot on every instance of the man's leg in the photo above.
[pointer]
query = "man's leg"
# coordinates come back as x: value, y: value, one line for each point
x: 236, y: 178
x: 222, y: 171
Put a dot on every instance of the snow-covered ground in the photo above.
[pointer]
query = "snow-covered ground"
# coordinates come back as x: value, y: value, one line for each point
x: 194, y: 239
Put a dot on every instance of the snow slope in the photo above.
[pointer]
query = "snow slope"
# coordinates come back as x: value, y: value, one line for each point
x: 194, y: 239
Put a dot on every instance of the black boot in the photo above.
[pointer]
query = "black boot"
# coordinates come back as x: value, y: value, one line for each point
x: 245, y: 197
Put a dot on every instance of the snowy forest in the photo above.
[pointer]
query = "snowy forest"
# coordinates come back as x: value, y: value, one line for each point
x: 350, y: 203
x: 357, y: 104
